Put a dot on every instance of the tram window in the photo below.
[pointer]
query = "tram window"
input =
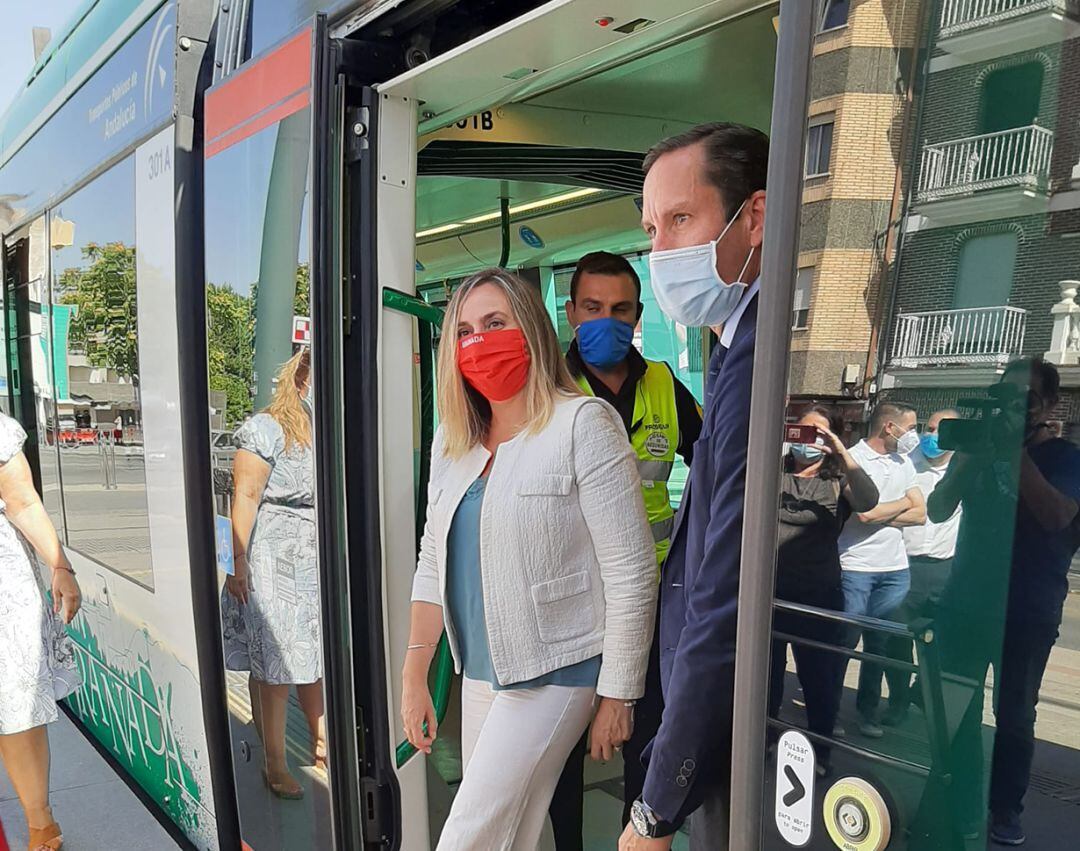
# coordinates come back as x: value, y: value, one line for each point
x: 95, y: 366
x: 257, y: 220
x: 32, y: 327
x: 941, y: 259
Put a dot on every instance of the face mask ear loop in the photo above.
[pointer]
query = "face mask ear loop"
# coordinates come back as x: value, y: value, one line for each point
x: 745, y: 266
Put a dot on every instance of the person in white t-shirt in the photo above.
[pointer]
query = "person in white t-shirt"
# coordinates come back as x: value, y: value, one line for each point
x: 930, y: 549
x: 875, y: 576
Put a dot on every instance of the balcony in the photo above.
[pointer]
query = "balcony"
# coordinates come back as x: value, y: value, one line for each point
x: 978, y: 30
x: 975, y: 337
x: 985, y: 177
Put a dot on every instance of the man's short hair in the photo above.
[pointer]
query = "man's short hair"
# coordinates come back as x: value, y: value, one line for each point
x: 736, y: 158
x: 603, y: 263
x: 885, y: 411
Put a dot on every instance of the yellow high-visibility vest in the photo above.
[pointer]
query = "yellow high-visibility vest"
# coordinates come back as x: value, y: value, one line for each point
x: 654, y: 435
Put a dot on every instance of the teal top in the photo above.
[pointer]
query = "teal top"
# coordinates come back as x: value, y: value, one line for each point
x: 465, y: 598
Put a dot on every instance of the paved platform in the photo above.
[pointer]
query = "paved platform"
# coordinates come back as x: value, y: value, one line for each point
x: 96, y: 809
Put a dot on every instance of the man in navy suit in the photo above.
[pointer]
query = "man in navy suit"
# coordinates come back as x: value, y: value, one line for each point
x: 704, y: 210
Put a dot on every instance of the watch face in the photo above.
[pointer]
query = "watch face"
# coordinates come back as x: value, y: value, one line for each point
x: 639, y: 819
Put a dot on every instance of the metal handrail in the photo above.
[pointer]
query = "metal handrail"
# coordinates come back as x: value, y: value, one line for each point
x: 968, y: 335
x: 959, y: 16
x: 860, y: 621
x: 1019, y: 156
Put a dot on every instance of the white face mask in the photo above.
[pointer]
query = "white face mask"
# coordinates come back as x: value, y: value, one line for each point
x: 907, y: 442
x: 689, y: 289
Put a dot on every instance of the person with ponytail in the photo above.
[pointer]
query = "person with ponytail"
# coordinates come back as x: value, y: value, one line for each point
x: 822, y: 485
x: 537, y: 559
x: 270, y: 605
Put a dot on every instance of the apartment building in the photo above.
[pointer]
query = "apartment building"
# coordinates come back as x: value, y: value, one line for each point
x: 990, y: 259
x: 859, y: 118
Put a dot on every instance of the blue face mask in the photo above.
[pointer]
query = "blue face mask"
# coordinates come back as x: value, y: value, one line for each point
x: 928, y: 443
x: 603, y: 343
x: 807, y: 453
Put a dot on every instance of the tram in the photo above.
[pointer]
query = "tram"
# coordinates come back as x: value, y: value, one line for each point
x: 193, y: 192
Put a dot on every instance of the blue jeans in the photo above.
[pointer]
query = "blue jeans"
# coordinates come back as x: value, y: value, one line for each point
x: 875, y: 595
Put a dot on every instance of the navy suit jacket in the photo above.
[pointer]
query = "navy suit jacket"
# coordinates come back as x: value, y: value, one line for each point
x: 690, y: 756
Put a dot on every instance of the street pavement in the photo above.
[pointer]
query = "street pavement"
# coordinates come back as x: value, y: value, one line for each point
x: 94, y: 807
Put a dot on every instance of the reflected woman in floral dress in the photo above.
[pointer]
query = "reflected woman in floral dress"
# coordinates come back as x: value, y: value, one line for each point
x: 37, y: 660
x: 270, y: 606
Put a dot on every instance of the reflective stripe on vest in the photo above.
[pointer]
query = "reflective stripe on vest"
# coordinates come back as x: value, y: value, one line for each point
x: 654, y: 437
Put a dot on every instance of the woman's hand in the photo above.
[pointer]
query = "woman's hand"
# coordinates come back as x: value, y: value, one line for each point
x: 237, y: 583
x: 833, y: 444
x: 65, y: 592
x: 417, y: 710
x: 613, y: 724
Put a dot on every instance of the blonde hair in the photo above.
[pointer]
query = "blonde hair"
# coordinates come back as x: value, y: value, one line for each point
x: 287, y: 404
x: 465, y: 414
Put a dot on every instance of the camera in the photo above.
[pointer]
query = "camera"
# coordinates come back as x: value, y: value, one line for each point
x: 999, y: 423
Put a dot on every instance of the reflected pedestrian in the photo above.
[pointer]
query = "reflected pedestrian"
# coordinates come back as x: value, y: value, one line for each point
x: 822, y: 485
x: 875, y: 566
x: 270, y: 605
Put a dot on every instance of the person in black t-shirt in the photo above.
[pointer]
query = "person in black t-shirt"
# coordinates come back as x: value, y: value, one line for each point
x: 822, y: 485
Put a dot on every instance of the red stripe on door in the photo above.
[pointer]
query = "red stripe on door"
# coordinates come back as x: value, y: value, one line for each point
x: 277, y: 85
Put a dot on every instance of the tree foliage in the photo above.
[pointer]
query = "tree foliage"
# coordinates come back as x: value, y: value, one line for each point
x: 231, y: 340
x: 105, y: 324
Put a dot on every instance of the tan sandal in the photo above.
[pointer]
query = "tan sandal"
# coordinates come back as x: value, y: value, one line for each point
x: 48, y: 837
x: 320, y: 763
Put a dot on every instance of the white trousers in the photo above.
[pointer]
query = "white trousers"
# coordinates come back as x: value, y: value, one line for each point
x: 514, y: 745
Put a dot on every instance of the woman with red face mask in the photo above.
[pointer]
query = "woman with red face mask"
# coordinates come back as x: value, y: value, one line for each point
x: 536, y: 559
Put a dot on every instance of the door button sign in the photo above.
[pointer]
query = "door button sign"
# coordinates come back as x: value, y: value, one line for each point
x: 795, y: 788
x: 856, y: 816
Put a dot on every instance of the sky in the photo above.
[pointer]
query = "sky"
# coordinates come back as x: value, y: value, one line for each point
x: 17, y: 20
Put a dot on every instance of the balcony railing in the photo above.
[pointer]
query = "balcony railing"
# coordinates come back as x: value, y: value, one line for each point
x: 978, y: 335
x: 1019, y: 157
x: 961, y: 16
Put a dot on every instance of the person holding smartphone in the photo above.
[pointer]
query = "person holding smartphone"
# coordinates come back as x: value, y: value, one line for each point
x: 822, y: 486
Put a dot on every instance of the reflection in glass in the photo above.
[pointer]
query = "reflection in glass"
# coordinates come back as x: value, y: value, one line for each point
x: 262, y: 461
x: 823, y: 485
x: 270, y: 606
x: 944, y: 255
x: 93, y: 316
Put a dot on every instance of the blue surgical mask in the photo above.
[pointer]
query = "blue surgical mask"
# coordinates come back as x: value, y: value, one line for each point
x: 807, y: 452
x: 928, y: 443
x: 604, y: 343
x: 688, y: 287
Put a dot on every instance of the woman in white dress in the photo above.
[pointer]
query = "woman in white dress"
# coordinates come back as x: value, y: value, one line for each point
x: 37, y: 661
x: 270, y: 605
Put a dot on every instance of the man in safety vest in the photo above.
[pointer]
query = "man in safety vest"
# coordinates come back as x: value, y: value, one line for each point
x: 662, y: 419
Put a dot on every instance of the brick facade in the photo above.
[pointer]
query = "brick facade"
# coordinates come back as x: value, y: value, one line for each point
x: 1048, y: 244
x: 859, y: 75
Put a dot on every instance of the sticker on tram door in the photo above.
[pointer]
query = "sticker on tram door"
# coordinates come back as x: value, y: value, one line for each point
x: 795, y: 771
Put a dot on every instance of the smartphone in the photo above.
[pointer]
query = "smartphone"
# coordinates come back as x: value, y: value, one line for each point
x: 795, y: 433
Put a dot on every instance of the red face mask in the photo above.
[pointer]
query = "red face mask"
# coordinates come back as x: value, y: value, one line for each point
x: 495, y: 363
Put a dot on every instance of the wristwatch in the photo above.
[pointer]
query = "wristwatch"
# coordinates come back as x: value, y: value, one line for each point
x: 647, y: 823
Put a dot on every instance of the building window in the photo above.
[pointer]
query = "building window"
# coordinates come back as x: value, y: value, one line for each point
x: 800, y: 309
x: 819, y: 140
x: 834, y: 13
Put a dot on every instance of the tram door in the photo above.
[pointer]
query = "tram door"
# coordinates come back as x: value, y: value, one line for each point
x: 285, y: 312
x: 923, y: 689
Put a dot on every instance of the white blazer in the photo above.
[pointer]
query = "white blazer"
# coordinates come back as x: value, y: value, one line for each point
x: 567, y: 558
